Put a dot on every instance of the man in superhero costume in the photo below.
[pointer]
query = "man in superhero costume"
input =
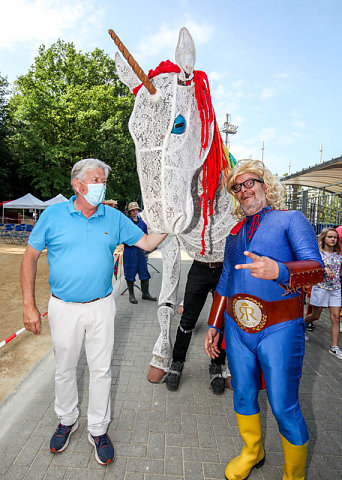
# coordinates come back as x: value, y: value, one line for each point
x: 269, y: 255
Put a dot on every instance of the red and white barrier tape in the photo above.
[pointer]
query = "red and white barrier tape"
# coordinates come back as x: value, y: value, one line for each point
x: 8, y: 339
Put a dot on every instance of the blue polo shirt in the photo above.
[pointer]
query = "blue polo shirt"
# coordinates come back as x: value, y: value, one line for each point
x: 80, y: 250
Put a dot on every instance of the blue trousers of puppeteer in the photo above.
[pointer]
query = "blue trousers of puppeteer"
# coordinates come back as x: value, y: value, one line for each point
x: 279, y: 351
x: 135, y: 262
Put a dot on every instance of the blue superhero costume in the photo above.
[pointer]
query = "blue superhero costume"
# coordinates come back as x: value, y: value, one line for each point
x: 134, y: 259
x: 278, y: 349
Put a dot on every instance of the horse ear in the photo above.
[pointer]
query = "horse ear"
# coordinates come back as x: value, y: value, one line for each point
x: 125, y: 73
x: 185, y: 54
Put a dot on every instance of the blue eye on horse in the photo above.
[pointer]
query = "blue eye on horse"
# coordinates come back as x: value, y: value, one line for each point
x: 179, y: 125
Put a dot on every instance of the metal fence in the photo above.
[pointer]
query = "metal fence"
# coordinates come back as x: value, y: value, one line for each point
x: 321, y: 208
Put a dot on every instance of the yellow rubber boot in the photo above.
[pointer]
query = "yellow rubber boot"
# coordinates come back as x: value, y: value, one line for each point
x: 252, y: 454
x: 295, y: 460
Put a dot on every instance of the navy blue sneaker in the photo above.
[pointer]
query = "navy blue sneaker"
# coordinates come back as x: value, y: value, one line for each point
x: 103, y: 447
x: 60, y: 439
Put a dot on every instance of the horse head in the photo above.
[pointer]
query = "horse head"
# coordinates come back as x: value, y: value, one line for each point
x: 172, y: 125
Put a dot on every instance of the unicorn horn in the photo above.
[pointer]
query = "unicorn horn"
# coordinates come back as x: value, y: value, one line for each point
x: 133, y: 63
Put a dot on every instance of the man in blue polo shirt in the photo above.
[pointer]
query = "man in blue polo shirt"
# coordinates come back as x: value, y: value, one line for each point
x: 81, y: 236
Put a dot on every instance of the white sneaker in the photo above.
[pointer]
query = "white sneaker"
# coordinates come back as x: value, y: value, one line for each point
x: 307, y: 339
x: 335, y: 351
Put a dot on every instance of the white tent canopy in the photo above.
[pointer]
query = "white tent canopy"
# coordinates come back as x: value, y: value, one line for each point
x: 27, y: 201
x: 31, y: 202
x: 57, y: 199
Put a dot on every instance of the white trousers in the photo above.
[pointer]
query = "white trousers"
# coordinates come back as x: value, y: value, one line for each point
x: 70, y: 323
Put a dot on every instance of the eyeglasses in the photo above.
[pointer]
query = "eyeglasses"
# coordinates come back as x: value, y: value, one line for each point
x: 249, y: 183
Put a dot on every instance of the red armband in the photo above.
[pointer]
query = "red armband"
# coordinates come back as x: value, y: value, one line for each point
x: 216, y: 316
x: 304, y: 273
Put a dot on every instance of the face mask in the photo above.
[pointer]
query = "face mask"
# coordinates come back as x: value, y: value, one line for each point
x: 96, y: 193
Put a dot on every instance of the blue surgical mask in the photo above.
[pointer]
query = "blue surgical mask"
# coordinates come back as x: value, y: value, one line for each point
x: 96, y: 193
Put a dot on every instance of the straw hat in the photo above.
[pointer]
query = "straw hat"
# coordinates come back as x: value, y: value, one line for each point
x: 133, y: 206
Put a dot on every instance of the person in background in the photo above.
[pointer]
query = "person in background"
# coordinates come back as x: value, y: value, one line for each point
x: 135, y: 260
x: 80, y: 236
x: 328, y: 293
x: 269, y: 254
x: 339, y: 231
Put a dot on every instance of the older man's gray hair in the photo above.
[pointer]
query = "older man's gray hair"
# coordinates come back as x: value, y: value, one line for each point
x: 80, y: 169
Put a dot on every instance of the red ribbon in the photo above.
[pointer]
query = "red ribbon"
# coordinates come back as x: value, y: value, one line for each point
x: 254, y: 227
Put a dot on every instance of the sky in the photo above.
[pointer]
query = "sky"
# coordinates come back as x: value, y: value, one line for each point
x: 273, y: 65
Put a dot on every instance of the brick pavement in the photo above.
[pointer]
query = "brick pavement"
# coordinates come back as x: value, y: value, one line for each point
x: 190, y: 434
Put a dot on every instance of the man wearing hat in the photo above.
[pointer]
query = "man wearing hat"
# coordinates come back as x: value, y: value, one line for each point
x: 135, y: 260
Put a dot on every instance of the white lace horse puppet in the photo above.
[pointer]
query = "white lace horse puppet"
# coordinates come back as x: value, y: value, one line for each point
x: 181, y: 163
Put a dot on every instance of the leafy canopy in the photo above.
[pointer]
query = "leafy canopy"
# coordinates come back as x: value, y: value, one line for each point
x: 8, y: 171
x: 71, y: 105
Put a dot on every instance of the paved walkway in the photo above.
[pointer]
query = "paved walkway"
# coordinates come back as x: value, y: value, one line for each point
x: 158, y: 435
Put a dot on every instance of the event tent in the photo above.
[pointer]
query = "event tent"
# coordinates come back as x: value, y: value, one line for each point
x: 57, y: 199
x: 31, y: 202
x: 28, y: 201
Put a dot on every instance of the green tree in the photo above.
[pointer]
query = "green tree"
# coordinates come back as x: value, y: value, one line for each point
x: 71, y: 105
x: 9, y: 187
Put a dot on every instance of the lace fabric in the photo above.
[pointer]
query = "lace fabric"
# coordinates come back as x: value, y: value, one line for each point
x: 170, y: 169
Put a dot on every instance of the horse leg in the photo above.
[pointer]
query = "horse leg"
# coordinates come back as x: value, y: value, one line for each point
x: 162, y: 351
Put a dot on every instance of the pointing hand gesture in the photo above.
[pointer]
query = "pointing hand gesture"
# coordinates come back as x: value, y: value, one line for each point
x: 262, y: 267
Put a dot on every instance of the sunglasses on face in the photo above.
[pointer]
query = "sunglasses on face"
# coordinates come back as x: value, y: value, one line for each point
x: 249, y: 183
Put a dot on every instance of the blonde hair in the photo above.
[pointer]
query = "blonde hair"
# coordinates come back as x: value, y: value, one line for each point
x: 322, y: 236
x: 274, y: 193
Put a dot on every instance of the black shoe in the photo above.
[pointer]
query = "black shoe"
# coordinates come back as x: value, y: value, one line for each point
x: 149, y: 297
x: 145, y: 291
x: 132, y: 299
x: 217, y: 381
x: 130, y: 286
x: 60, y: 439
x: 173, y: 378
x: 310, y: 327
